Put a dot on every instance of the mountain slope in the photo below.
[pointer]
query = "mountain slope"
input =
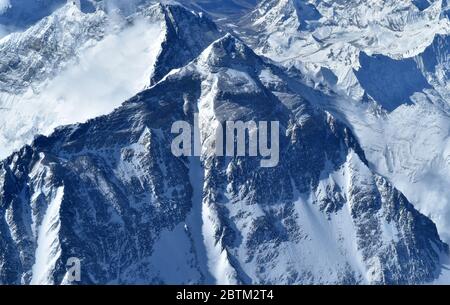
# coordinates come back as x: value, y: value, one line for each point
x: 385, y: 63
x: 73, y: 66
x: 111, y: 193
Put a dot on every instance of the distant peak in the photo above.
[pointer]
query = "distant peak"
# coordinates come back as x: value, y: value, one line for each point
x: 174, y: 13
x: 229, y: 50
x: 228, y: 43
x: 295, y: 14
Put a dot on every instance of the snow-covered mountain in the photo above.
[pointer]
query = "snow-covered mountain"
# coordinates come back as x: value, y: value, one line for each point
x: 360, y: 89
x: 72, y: 66
x: 111, y: 193
x: 386, y: 62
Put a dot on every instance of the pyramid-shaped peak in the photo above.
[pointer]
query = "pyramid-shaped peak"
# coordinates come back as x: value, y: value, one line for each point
x: 229, y: 51
x: 174, y: 12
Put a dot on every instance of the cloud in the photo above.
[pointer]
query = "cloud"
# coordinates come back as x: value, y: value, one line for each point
x: 107, y: 74
x: 4, y: 5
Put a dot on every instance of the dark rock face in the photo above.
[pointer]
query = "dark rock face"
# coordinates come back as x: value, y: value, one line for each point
x: 111, y: 193
x: 122, y: 218
x: 180, y: 45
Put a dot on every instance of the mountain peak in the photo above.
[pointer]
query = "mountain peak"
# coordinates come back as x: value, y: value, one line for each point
x: 37, y: 63
x: 122, y: 161
x: 112, y: 193
x: 180, y: 45
x: 229, y: 51
x: 292, y: 15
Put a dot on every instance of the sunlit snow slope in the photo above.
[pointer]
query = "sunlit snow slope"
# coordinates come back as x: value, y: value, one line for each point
x: 361, y: 91
x: 386, y: 64
x: 134, y: 213
x: 73, y: 66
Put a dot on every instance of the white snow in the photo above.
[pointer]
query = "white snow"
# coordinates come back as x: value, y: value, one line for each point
x: 218, y: 263
x: 410, y: 148
x: 105, y: 75
x: 410, y: 145
x: 48, y: 248
x: 194, y: 222
x: 4, y: 4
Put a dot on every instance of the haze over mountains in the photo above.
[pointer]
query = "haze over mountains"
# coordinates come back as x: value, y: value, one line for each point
x: 89, y: 91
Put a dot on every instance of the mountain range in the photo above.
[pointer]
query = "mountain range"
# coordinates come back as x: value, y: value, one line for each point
x: 89, y: 91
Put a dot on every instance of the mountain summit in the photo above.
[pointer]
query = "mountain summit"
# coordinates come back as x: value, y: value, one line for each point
x: 72, y: 66
x: 111, y: 193
x: 359, y: 90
